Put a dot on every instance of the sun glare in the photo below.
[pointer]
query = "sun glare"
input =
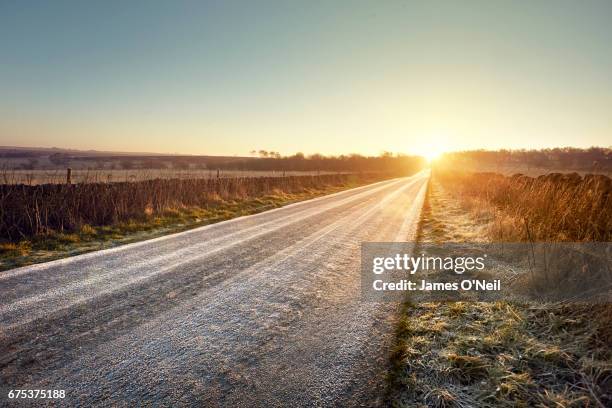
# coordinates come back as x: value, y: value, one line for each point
x: 431, y: 155
x: 432, y: 146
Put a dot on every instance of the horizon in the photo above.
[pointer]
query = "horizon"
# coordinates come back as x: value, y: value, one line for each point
x: 223, y: 79
x: 290, y: 154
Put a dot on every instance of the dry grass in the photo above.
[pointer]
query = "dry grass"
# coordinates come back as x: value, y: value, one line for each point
x: 554, y: 207
x: 149, y: 222
x: 31, y: 211
x: 500, y: 354
x: 550, y: 208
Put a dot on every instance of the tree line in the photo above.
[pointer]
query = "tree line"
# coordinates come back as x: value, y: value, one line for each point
x: 386, y: 162
x: 593, y: 158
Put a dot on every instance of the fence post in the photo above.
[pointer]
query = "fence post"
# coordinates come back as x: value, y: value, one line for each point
x: 68, y: 175
x: 217, y: 173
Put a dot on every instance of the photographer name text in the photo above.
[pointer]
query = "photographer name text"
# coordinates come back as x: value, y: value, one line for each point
x: 429, y: 286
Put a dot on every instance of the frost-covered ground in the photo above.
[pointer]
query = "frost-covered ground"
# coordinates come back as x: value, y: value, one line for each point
x: 262, y: 310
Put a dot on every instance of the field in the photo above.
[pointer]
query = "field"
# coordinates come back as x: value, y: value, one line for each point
x: 531, y: 171
x: 508, y: 353
x: 58, y: 176
x: 33, y: 166
x: 533, y: 163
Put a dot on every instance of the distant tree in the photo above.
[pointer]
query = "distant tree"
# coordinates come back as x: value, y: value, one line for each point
x: 317, y: 162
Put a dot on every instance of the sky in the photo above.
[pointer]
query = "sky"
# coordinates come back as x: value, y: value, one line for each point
x: 331, y: 76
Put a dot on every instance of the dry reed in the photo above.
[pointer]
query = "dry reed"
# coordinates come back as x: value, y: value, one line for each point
x: 27, y: 211
x: 552, y: 207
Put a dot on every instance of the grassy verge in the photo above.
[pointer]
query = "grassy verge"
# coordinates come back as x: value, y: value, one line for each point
x: 549, y: 208
x: 490, y: 354
x: 87, y: 238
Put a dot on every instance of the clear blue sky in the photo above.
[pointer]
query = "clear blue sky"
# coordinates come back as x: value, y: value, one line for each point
x: 314, y: 76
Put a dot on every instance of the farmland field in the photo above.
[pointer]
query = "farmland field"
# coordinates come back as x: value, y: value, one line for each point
x: 55, y: 176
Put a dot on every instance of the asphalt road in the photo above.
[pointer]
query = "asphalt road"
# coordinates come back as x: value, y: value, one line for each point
x: 262, y: 310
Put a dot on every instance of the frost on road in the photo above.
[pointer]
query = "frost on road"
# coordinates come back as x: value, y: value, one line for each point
x: 262, y: 310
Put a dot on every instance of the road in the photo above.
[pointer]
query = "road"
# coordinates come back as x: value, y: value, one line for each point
x: 262, y: 310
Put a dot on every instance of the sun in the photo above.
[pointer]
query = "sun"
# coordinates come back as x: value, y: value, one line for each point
x: 431, y: 155
x: 431, y: 147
